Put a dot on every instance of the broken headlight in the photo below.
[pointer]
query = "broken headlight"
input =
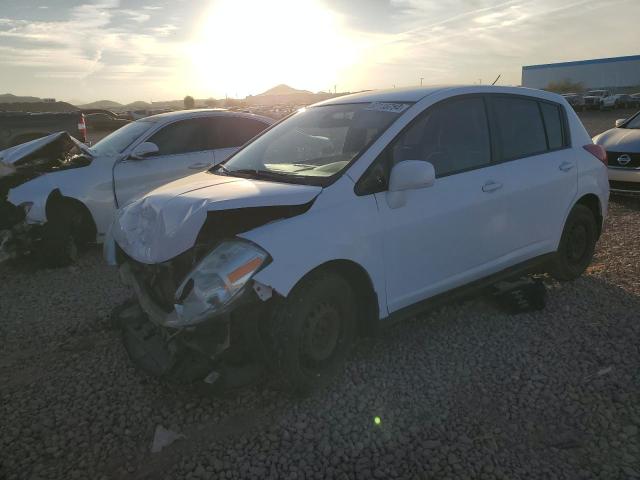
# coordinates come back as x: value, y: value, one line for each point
x: 217, y: 280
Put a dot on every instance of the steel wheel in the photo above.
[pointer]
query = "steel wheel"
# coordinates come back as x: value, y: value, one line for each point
x: 312, y: 330
x: 321, y: 331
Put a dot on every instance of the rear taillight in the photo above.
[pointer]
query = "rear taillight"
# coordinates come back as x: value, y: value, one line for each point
x: 597, y: 151
x: 82, y: 128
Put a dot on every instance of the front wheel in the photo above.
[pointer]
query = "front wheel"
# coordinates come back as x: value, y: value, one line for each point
x: 313, y: 330
x: 67, y: 232
x: 59, y: 247
x: 577, y: 245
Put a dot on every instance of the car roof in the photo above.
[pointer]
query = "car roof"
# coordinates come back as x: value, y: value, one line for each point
x: 409, y: 94
x: 201, y: 112
x: 415, y: 94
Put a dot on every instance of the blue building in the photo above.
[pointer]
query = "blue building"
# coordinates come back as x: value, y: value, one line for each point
x: 612, y: 73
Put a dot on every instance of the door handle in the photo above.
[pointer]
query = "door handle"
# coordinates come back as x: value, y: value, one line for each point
x: 566, y: 166
x: 198, y: 166
x: 491, y: 186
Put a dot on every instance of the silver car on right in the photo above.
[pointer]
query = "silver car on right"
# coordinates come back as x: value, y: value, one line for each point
x: 622, y: 144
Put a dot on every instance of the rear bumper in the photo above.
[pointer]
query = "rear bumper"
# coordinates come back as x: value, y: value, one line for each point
x: 624, y: 180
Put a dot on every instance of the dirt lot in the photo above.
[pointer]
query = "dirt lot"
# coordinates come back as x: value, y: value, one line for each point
x: 597, y: 122
x: 94, y: 136
x: 462, y: 392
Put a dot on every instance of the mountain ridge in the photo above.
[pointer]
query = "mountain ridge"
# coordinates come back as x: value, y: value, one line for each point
x: 283, y: 89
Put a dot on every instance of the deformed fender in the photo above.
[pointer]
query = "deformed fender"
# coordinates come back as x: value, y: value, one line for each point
x: 298, y: 245
x: 36, y: 192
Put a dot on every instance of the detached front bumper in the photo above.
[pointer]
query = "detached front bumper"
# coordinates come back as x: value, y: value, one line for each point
x: 159, y: 347
x: 624, y: 180
x: 176, y: 355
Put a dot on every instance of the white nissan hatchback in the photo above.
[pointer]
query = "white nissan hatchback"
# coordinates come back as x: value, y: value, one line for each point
x: 350, y: 213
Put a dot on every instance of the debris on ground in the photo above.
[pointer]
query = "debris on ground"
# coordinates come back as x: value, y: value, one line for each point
x: 163, y: 438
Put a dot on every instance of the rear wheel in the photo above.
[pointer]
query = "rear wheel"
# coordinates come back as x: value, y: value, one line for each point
x: 577, y: 245
x: 313, y: 330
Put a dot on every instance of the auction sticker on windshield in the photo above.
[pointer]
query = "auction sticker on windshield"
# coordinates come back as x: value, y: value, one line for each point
x: 387, y: 107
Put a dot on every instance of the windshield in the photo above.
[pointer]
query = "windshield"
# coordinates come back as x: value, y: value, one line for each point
x: 315, y: 143
x: 117, y: 141
x: 634, y: 122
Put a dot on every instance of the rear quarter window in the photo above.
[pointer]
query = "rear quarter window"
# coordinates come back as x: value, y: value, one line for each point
x: 552, y: 116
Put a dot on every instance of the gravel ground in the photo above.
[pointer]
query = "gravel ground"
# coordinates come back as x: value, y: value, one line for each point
x: 464, y: 391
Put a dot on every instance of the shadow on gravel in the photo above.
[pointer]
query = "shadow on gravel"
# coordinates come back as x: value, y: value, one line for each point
x: 30, y: 263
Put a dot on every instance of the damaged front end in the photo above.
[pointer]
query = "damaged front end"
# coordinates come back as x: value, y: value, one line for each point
x: 198, y: 312
x: 20, y: 164
x: 201, y: 315
x: 198, y: 317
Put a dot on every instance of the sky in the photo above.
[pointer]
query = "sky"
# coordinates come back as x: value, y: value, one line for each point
x: 126, y: 50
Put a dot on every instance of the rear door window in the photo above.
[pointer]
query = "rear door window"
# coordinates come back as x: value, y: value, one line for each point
x: 519, y: 128
x: 553, y: 124
x: 180, y: 137
x: 236, y: 131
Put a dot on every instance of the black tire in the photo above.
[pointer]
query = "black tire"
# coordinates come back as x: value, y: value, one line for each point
x: 577, y: 245
x: 65, y: 234
x: 313, y: 330
x: 58, y: 247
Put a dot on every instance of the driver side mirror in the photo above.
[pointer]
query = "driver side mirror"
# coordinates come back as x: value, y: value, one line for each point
x: 620, y: 121
x: 144, y: 150
x: 408, y: 175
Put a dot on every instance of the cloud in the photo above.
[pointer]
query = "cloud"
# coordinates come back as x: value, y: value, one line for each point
x: 454, y: 41
x: 150, y: 44
x: 164, y: 30
x: 89, y: 42
x: 135, y: 15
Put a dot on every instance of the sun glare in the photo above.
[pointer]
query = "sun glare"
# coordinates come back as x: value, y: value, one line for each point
x: 246, y: 46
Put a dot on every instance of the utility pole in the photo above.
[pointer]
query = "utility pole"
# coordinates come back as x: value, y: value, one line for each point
x: 421, y: 79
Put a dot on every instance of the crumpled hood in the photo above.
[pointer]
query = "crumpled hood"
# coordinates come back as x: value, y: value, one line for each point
x: 20, y: 154
x: 166, y: 222
x: 620, y: 140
